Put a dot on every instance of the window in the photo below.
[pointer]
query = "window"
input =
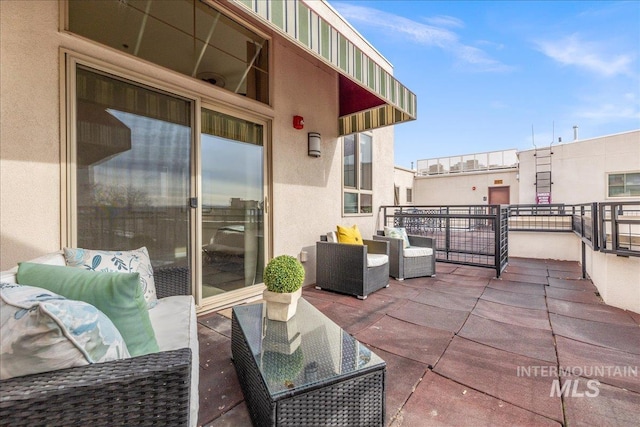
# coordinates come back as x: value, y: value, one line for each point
x: 409, y: 195
x: 624, y: 184
x: 189, y: 37
x: 357, y: 174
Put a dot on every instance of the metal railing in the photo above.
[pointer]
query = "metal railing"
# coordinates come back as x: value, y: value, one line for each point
x: 584, y: 222
x: 470, y: 235
x: 479, y: 234
x: 553, y: 217
x: 619, y: 228
x: 493, y: 160
x: 611, y: 227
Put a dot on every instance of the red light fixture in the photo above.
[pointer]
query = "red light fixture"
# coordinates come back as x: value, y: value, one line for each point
x: 298, y: 122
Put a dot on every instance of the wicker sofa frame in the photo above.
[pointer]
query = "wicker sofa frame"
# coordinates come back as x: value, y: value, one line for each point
x: 343, y: 267
x: 401, y: 267
x: 146, y: 390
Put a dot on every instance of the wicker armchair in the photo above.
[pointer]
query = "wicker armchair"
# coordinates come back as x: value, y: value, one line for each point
x: 405, y: 267
x: 153, y: 389
x: 342, y: 267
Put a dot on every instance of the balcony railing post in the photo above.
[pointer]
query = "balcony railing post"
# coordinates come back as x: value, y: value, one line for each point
x: 614, y: 227
x: 497, y: 238
x: 595, y: 234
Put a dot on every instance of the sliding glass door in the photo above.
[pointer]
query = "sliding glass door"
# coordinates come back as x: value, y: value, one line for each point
x: 232, y: 181
x: 144, y: 175
x: 133, y: 167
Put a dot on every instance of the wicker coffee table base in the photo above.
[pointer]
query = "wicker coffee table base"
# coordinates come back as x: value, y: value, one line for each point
x: 356, y: 401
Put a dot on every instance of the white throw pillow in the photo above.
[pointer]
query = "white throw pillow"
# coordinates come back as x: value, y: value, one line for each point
x: 398, y: 233
x: 136, y: 261
x: 41, y: 331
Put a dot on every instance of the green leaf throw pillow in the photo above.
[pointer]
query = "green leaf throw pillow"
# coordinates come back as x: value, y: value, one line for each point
x: 118, y: 295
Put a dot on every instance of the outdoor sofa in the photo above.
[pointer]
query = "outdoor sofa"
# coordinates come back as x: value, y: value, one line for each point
x: 160, y: 388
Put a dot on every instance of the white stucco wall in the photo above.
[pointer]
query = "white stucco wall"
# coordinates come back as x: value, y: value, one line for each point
x: 403, y: 179
x: 617, y: 279
x: 579, y: 169
x: 458, y: 189
x: 306, y: 192
x: 29, y: 130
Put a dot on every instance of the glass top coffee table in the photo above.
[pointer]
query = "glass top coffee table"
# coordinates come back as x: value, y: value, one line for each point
x: 305, y: 372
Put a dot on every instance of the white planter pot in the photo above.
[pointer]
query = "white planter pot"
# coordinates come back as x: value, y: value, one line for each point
x: 281, y: 306
x: 282, y: 337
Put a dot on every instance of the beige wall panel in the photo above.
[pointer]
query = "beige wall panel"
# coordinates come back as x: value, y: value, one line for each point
x: 305, y: 189
x: 457, y: 189
x: 29, y: 131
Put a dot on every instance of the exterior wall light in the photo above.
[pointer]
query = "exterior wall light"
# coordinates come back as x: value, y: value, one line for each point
x: 314, y: 144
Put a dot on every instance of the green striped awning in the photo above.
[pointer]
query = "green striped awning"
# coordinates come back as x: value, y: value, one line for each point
x: 370, y: 97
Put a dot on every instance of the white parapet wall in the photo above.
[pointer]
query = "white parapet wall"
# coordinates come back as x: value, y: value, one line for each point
x: 617, y: 278
x: 551, y: 245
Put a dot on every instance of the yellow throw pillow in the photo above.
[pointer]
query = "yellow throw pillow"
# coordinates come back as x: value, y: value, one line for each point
x: 349, y: 235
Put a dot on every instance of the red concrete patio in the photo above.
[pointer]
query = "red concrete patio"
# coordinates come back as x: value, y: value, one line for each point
x: 466, y: 349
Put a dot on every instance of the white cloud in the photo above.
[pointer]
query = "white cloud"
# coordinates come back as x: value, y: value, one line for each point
x: 424, y: 34
x: 609, y: 112
x: 445, y: 21
x: 593, y: 56
x: 494, y: 45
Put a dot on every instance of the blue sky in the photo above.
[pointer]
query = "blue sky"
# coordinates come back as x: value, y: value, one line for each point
x: 495, y: 75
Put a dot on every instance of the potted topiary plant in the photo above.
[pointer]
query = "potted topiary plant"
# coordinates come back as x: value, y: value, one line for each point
x: 283, y: 369
x: 283, y: 278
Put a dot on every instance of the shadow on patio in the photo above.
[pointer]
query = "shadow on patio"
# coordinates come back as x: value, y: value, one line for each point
x: 465, y: 349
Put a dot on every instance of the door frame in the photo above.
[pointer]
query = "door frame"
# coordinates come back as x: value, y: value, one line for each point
x: 248, y: 293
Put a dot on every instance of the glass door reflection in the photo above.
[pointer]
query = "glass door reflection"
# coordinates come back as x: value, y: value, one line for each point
x: 232, y: 158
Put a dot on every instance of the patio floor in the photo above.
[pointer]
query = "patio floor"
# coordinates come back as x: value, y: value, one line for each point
x: 466, y: 349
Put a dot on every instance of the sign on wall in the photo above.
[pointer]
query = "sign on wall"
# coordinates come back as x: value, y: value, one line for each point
x: 543, y: 198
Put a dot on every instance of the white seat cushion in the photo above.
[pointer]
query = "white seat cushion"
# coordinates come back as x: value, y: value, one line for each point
x: 55, y: 258
x: 416, y: 251
x: 175, y: 323
x: 376, y: 260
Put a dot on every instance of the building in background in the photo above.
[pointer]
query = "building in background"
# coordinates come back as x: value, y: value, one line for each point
x: 600, y: 169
